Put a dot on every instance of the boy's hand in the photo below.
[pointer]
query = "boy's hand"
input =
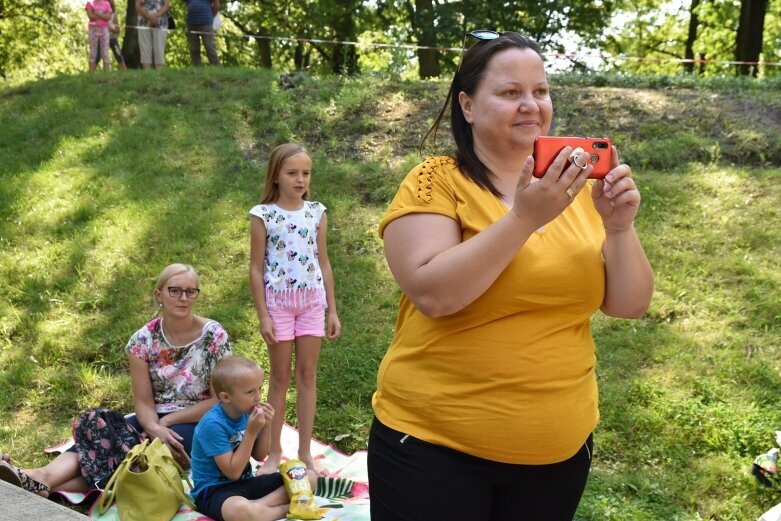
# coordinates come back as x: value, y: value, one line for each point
x: 266, y: 411
x: 260, y: 416
x: 256, y: 420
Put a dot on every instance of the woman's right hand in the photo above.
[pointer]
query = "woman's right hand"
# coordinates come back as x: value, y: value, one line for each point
x: 539, y: 202
x: 173, y: 440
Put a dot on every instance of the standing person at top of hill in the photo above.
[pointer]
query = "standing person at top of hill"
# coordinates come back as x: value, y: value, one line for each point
x: 99, y: 13
x: 113, y: 42
x: 293, y: 285
x: 171, y: 359
x: 487, y: 398
x: 152, y: 31
x: 200, y: 26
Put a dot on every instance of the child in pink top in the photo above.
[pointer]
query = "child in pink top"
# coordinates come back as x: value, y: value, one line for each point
x: 99, y: 12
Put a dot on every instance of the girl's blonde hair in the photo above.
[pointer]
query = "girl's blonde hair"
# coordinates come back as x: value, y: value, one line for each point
x: 173, y: 270
x: 275, y: 160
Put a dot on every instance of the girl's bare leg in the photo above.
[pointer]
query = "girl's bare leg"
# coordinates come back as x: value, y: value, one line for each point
x: 279, y: 356
x: 307, y: 355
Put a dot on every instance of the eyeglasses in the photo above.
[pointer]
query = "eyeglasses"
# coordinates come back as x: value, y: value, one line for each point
x: 191, y: 293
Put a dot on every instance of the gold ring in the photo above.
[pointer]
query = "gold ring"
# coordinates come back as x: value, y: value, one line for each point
x: 570, y: 192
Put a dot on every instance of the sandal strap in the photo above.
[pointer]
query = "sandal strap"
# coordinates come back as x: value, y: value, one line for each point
x: 22, y: 479
x: 30, y: 484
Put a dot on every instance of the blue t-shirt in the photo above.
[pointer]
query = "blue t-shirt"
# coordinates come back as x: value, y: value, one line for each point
x: 215, y: 434
x: 199, y: 12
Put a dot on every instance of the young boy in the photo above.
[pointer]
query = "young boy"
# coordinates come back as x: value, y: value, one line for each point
x: 225, y: 438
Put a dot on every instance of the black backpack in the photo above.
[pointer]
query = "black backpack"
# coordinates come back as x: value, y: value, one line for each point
x: 103, y: 437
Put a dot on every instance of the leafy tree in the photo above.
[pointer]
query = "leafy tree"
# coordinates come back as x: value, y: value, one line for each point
x: 658, y: 34
x: 41, y: 38
x: 294, y: 29
x: 336, y: 20
x: 254, y: 20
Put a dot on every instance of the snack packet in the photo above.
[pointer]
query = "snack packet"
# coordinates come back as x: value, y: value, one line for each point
x: 765, y: 468
x: 299, y: 491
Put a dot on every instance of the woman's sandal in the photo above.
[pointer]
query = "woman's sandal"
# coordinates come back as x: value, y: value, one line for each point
x: 19, y: 478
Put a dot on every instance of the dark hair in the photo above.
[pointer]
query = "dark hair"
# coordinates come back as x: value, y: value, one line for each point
x: 467, y: 78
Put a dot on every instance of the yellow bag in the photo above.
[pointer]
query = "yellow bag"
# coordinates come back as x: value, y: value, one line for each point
x: 299, y: 491
x: 147, y: 485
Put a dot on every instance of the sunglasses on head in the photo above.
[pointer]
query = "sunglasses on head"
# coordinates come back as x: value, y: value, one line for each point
x: 483, y: 34
x: 478, y: 34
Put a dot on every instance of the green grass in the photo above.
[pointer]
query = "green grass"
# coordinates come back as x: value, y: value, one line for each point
x: 106, y: 179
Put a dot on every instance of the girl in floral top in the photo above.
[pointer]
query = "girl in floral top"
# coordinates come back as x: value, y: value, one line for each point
x: 292, y: 284
x: 171, y: 359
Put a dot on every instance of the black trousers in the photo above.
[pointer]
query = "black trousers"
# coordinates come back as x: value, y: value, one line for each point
x: 412, y: 480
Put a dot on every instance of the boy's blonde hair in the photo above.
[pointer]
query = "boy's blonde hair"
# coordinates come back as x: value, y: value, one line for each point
x: 227, y: 368
x: 275, y: 160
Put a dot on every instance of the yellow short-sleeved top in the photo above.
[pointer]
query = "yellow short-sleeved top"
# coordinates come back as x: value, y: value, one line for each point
x: 510, y: 377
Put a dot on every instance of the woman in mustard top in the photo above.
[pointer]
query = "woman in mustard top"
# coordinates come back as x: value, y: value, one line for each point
x: 487, y: 397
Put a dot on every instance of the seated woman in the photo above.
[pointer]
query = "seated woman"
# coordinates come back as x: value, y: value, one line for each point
x: 171, y: 359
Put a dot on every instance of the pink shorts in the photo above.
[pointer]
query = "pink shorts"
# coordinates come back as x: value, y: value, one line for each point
x: 292, y: 323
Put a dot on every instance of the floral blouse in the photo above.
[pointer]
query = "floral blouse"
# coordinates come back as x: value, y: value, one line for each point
x: 153, y: 6
x: 180, y: 374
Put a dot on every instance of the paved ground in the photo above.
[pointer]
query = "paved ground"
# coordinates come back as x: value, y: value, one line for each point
x: 17, y: 504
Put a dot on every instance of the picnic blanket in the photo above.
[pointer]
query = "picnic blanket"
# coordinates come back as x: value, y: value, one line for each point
x: 352, y: 507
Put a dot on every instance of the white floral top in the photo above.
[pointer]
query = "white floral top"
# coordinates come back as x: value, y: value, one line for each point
x: 180, y: 374
x: 292, y: 273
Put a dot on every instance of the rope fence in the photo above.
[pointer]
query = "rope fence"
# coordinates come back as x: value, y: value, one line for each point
x: 412, y: 47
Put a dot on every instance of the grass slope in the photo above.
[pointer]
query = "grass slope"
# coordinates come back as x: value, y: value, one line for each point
x: 106, y: 179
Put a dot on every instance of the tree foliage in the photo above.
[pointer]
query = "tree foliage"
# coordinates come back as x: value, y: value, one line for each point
x: 656, y: 32
x: 41, y: 38
x: 45, y: 37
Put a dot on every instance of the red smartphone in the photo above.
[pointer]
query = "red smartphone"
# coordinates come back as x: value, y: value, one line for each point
x: 546, y: 148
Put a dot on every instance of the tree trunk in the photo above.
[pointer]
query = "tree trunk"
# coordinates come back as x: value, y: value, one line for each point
x: 345, y: 57
x: 130, y: 50
x: 298, y: 56
x: 748, y: 43
x: 264, y: 49
x: 264, y: 44
x: 428, y: 59
x: 694, y: 22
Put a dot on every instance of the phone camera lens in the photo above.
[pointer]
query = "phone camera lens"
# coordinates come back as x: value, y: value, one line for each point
x: 600, y: 145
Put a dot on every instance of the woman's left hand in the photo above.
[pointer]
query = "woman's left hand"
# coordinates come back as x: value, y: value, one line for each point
x: 616, y: 198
